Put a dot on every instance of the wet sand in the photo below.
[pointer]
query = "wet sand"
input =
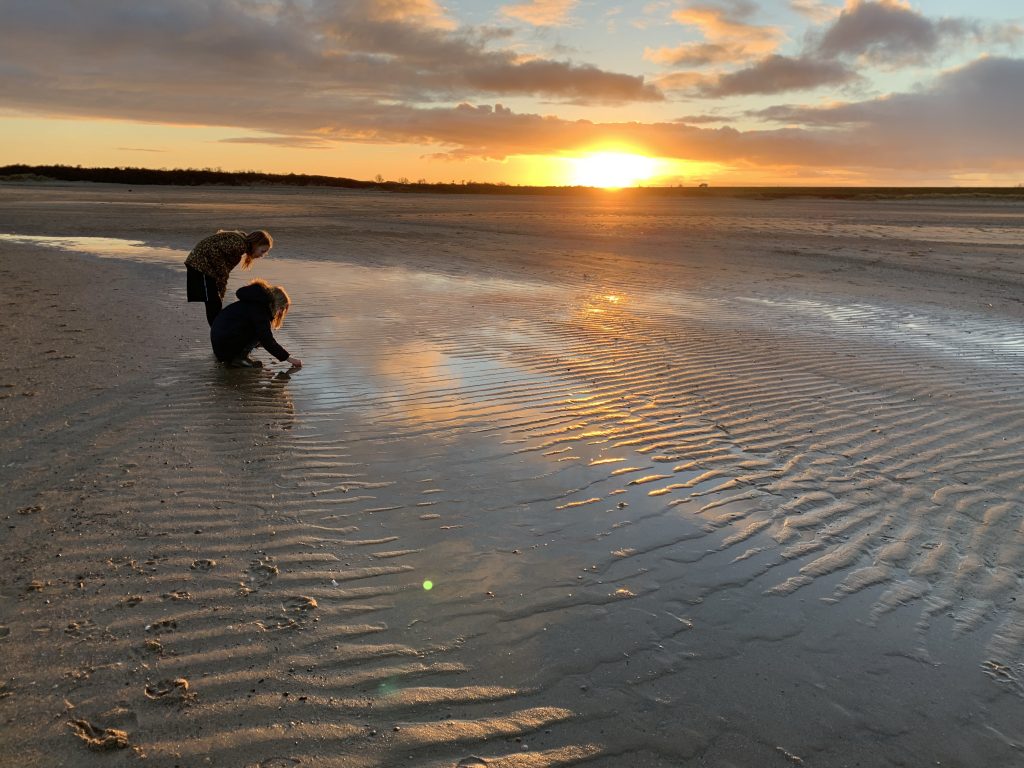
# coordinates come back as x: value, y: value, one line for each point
x: 691, y: 482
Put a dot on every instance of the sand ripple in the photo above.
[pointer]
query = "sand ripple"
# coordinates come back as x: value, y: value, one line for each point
x: 498, y: 510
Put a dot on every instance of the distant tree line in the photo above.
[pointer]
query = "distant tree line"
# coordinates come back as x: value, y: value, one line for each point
x: 189, y: 177
x: 194, y: 177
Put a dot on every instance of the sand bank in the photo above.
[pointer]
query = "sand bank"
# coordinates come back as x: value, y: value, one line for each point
x: 733, y: 483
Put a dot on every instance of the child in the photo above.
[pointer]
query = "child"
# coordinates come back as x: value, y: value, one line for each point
x: 249, y: 323
x: 214, y: 257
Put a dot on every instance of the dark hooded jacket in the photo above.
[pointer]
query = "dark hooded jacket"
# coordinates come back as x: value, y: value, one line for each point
x: 244, y: 324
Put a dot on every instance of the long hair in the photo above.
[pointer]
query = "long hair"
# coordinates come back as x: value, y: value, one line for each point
x: 254, y: 240
x: 280, y: 302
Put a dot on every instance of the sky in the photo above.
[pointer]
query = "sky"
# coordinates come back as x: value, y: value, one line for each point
x: 725, y: 92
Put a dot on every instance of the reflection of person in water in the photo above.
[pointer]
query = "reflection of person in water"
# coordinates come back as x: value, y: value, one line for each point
x: 250, y: 322
x: 260, y: 400
x: 213, y: 258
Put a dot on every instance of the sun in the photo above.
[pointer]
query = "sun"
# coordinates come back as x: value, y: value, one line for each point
x: 612, y: 170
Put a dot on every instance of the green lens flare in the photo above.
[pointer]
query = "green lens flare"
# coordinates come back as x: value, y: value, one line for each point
x: 428, y: 585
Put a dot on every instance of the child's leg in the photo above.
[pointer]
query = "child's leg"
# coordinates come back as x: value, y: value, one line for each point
x: 248, y: 350
x: 202, y: 287
x: 213, y: 307
x: 237, y: 355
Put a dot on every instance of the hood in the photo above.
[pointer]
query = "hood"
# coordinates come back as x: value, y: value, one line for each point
x: 256, y: 292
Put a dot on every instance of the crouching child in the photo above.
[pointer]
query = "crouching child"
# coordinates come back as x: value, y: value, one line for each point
x: 250, y: 322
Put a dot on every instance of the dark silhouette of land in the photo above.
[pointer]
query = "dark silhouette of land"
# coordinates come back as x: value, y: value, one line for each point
x: 194, y: 177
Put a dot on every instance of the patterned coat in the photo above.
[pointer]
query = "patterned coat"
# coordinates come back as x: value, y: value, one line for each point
x: 216, y: 256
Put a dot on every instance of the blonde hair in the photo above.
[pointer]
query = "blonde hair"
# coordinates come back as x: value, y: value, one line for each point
x: 280, y: 302
x: 253, y: 240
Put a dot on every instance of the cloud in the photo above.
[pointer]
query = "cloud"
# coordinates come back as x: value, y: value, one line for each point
x: 771, y: 75
x: 777, y: 74
x: 696, y: 54
x: 892, y: 33
x: 702, y: 119
x: 541, y: 13
x: 728, y: 39
x: 277, y: 50
x: 932, y: 129
x: 1008, y: 34
x: 724, y: 25
x: 936, y: 127
x: 989, y: 86
x: 886, y: 33
x: 584, y: 82
x: 691, y: 83
x: 292, y: 142
x: 422, y: 12
x: 815, y: 10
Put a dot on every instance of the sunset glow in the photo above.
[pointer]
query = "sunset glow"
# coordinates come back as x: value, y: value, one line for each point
x: 613, y: 170
x: 545, y: 92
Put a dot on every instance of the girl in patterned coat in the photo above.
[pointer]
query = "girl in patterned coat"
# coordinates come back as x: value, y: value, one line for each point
x: 213, y: 258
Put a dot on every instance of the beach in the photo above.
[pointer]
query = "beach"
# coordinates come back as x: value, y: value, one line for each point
x: 599, y: 479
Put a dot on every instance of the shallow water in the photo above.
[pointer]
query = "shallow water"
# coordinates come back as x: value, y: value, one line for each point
x: 673, y: 511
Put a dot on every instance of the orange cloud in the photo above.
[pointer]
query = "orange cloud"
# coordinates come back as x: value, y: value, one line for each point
x: 424, y: 12
x: 727, y: 36
x: 541, y: 13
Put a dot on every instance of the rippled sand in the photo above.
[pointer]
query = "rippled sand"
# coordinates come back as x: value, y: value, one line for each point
x: 599, y: 480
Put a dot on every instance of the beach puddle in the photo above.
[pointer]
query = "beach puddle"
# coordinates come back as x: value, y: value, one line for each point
x: 104, y: 247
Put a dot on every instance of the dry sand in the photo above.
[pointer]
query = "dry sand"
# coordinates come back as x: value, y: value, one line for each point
x: 694, y: 482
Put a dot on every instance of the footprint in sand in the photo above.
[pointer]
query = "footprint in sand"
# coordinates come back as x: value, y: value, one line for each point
x: 262, y: 571
x: 299, y: 604
x: 161, y: 627
x: 278, y: 623
x: 170, y: 691
x: 154, y: 646
x: 297, y: 612
x: 97, y: 738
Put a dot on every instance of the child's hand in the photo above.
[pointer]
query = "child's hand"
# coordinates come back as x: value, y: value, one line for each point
x: 295, y: 362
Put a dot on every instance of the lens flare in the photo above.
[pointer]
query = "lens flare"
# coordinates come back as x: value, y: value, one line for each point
x: 428, y: 585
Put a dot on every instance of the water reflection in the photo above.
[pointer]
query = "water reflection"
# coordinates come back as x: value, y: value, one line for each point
x: 955, y: 333
x: 104, y: 247
x: 232, y: 394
